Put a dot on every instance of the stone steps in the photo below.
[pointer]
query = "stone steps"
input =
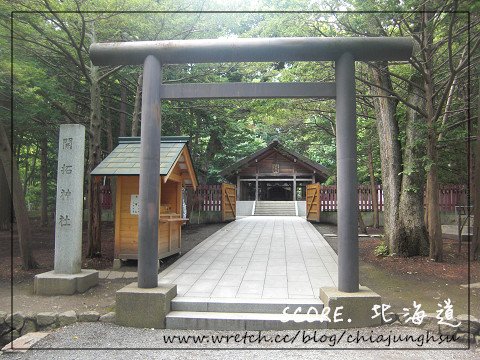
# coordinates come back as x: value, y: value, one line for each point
x: 274, y: 202
x: 275, y: 212
x: 189, y: 320
x: 242, y: 314
x: 272, y: 306
x: 275, y: 208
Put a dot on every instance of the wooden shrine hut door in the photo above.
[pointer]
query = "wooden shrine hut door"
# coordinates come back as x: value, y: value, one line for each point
x: 313, y: 202
x: 229, y: 202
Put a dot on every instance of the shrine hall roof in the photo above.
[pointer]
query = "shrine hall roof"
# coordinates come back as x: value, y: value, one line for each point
x: 321, y: 171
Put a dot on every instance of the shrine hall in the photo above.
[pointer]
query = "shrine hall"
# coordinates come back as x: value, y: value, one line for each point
x: 274, y: 173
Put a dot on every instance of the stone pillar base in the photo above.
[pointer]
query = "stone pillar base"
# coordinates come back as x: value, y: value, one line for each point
x: 144, y: 308
x: 357, y: 307
x: 51, y: 283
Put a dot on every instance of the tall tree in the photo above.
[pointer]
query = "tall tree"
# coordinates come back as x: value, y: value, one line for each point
x: 70, y: 44
x: 401, y: 174
x: 137, y: 106
x: 5, y: 202
x: 44, y: 181
x: 373, y: 187
x: 21, y: 214
x: 439, y: 74
x: 438, y: 60
x: 475, y: 244
x: 415, y: 241
x: 403, y: 212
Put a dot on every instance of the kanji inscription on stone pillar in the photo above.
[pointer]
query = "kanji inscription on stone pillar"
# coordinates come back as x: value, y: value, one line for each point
x: 69, y: 209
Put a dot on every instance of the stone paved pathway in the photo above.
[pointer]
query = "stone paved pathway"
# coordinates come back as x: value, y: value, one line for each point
x: 281, y: 257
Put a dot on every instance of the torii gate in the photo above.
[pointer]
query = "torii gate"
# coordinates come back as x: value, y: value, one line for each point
x: 344, y: 51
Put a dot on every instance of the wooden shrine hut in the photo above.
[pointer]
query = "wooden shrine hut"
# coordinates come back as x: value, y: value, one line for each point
x: 274, y: 173
x: 176, y: 171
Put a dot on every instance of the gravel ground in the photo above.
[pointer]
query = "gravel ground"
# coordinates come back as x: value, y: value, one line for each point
x: 99, y: 335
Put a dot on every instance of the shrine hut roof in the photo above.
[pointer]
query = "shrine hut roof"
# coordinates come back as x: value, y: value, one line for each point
x: 125, y: 158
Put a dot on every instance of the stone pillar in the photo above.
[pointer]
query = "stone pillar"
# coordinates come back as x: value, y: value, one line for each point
x: 348, y: 270
x: 149, y: 175
x: 68, y: 277
x: 69, y: 206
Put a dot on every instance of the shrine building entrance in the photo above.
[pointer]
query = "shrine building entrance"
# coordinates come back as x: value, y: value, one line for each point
x: 274, y: 173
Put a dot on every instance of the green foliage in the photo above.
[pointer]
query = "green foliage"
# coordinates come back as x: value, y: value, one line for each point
x: 381, y: 249
x: 221, y: 131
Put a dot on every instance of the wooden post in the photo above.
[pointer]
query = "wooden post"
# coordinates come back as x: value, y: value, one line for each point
x: 256, y: 185
x: 294, y: 189
x: 118, y: 202
x: 238, y: 188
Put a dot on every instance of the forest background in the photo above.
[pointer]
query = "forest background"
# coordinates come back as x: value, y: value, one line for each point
x: 417, y: 121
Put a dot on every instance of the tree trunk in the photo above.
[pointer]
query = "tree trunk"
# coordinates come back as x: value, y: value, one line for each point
x: 433, y: 209
x: 214, y: 146
x: 373, y: 187
x: 110, y: 141
x: 137, y: 107
x: 402, y: 174
x: 390, y: 154
x: 433, y: 222
x: 30, y: 169
x: 475, y: 243
x: 123, y: 110
x: 5, y: 201
x: 44, y: 181
x: 361, y: 223
x: 21, y: 215
x: 415, y: 238
x: 108, y: 125
x: 94, y: 158
x: 26, y: 167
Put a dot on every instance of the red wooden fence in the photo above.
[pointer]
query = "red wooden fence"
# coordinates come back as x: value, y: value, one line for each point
x: 106, y: 196
x: 209, y: 197
x: 205, y: 198
x: 328, y: 196
x: 449, y: 197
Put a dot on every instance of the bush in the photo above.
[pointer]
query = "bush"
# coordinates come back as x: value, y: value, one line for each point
x: 381, y: 249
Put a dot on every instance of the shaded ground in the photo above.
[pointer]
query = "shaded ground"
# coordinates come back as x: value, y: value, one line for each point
x: 400, y: 281
x: 100, y: 298
x: 43, y: 245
